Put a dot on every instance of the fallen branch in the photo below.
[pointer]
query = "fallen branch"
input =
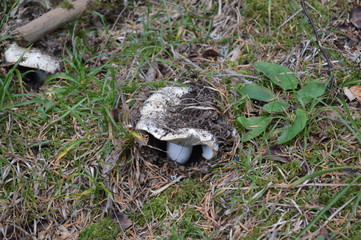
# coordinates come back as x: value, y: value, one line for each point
x: 50, y: 21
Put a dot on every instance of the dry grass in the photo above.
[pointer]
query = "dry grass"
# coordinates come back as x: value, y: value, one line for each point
x: 65, y: 163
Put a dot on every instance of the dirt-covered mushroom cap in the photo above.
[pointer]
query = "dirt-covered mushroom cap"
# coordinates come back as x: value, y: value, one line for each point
x: 170, y: 114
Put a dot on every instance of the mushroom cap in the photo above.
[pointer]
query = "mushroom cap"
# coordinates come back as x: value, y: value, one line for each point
x: 31, y: 58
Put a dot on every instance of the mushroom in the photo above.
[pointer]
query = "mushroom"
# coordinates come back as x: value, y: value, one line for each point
x: 33, y: 58
x: 180, y: 141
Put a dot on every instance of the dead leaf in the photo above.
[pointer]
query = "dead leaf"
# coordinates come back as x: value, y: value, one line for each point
x: 348, y: 94
x: 276, y: 154
x: 353, y: 92
x: 164, y: 70
x: 210, y: 53
x: 236, y: 53
x: 356, y: 91
x: 63, y: 233
x: 122, y: 219
x: 152, y: 73
x: 117, y: 114
x: 355, y: 16
x: 324, y: 234
x: 111, y: 161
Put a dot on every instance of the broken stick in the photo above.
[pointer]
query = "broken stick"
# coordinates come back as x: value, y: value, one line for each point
x: 36, y: 29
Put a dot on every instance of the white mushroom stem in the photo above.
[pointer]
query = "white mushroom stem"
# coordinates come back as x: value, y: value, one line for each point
x: 178, y: 153
x: 207, y: 152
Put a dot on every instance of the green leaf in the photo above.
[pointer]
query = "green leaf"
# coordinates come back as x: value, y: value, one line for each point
x: 256, y: 125
x: 256, y: 92
x: 295, y: 128
x: 5, y: 38
x: 276, y: 106
x: 279, y: 75
x: 310, y: 91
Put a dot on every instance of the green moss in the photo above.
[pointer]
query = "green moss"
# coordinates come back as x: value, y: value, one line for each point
x: 269, y: 13
x: 272, y: 20
x: 98, y: 4
x: 188, y: 191
x: 326, y: 195
x: 248, y: 56
x: 66, y: 4
x: 105, y: 229
x: 293, y: 168
x: 188, y: 219
x: 185, y: 227
x: 355, y: 231
x: 348, y: 78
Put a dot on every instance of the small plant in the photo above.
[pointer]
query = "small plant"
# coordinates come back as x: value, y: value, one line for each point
x: 286, y: 80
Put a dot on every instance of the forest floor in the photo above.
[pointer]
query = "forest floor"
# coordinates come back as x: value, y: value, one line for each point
x: 270, y: 82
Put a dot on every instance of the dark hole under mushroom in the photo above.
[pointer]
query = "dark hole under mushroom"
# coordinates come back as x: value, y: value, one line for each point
x: 159, y: 149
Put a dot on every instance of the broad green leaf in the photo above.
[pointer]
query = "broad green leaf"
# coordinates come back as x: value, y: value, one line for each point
x: 279, y: 75
x: 276, y: 106
x: 256, y: 125
x: 310, y: 91
x: 256, y: 92
x: 295, y: 128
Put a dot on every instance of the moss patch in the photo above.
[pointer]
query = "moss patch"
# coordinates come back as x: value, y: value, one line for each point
x: 66, y: 4
x: 187, y: 192
x: 105, y: 229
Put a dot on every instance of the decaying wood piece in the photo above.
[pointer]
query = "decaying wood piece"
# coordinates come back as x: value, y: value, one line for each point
x: 36, y: 29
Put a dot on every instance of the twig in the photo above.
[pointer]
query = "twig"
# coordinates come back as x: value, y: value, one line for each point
x: 290, y: 18
x: 214, y: 76
x: 315, y: 30
x: 156, y: 192
x: 177, y: 55
x: 189, y: 62
x: 109, y: 35
x: 50, y: 21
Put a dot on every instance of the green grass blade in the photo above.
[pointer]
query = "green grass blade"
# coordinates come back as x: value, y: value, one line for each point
x: 354, y: 128
x: 319, y: 173
x: 351, y: 215
x: 327, y: 207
